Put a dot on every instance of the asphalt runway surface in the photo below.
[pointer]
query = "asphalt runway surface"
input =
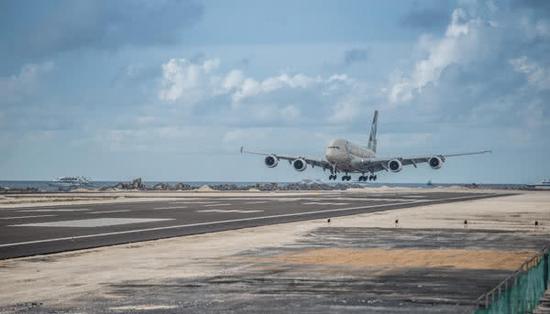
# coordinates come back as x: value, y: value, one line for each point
x: 26, y: 231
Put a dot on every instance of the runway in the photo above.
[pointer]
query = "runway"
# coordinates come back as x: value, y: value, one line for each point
x: 26, y: 231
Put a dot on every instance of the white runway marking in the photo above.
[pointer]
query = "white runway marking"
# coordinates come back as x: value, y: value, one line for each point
x: 224, y: 204
x: 21, y: 217
x: 208, y: 223
x: 366, y: 199
x: 256, y: 202
x: 240, y: 211
x: 95, y: 222
x: 171, y: 207
x: 109, y: 211
x: 55, y: 210
x: 194, y: 202
x: 324, y: 203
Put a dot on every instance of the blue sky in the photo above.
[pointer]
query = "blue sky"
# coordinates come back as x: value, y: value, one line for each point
x: 169, y: 90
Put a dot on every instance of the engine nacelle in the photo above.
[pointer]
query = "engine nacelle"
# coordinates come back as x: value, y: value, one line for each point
x: 299, y: 164
x: 395, y: 165
x: 435, y: 162
x: 271, y: 161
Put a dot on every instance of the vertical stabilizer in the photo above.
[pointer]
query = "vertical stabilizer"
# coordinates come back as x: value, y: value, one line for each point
x: 372, y: 137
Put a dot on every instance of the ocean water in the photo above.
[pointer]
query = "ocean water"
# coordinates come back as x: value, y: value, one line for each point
x: 51, y: 186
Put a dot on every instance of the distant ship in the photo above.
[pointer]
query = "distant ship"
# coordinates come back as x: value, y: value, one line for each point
x: 71, y: 181
x: 543, y: 185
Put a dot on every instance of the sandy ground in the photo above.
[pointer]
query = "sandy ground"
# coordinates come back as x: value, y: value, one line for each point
x: 58, y: 278
x: 518, y: 212
x: 408, y: 258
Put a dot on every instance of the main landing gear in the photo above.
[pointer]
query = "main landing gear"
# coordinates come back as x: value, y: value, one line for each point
x: 346, y: 178
x: 372, y: 177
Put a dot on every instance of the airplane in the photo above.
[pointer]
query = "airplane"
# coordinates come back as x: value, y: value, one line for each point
x: 343, y: 156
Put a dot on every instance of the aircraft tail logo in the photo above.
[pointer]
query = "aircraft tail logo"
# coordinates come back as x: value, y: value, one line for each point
x: 372, y: 137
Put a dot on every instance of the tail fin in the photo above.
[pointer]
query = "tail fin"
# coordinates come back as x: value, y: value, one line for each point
x: 372, y: 137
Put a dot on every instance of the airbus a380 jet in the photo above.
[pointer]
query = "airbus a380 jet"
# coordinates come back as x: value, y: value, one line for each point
x: 345, y: 157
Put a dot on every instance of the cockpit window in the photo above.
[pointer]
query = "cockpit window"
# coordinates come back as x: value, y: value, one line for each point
x: 334, y: 147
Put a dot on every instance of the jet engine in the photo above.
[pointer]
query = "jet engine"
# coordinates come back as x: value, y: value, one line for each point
x: 435, y: 162
x: 299, y: 164
x: 271, y: 161
x: 395, y: 165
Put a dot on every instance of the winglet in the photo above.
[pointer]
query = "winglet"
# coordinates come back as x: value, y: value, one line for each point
x: 242, y: 149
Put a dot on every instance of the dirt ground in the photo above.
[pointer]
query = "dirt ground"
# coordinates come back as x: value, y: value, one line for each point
x: 407, y: 258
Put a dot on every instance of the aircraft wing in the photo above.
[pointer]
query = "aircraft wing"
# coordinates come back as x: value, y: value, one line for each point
x: 380, y: 164
x: 312, y: 162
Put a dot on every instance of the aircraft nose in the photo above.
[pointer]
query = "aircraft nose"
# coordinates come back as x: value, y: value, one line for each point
x: 330, y: 154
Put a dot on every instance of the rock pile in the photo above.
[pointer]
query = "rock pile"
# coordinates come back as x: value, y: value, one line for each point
x: 8, y: 190
x: 182, y: 187
x: 136, y: 184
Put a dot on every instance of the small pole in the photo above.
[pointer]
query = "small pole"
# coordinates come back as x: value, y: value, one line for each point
x: 545, y: 271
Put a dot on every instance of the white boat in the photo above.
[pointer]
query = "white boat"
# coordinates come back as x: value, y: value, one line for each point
x: 71, y: 181
x: 543, y: 185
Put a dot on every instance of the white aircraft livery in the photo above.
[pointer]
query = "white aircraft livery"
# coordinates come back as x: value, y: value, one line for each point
x: 342, y: 156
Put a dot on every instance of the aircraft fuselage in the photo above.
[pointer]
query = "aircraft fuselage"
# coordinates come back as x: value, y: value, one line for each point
x: 347, y: 156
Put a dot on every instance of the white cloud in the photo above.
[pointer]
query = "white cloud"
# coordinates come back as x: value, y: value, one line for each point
x: 242, y: 135
x: 12, y: 88
x: 274, y: 99
x: 537, y: 75
x: 189, y: 83
x: 290, y: 113
x: 233, y: 80
x: 251, y: 87
x: 534, y: 29
x: 460, y: 38
x: 186, y: 82
x: 345, y: 111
